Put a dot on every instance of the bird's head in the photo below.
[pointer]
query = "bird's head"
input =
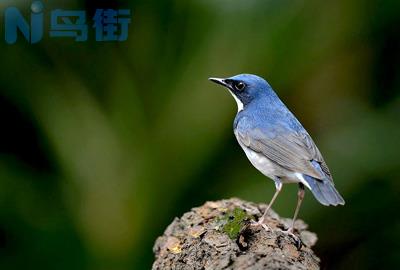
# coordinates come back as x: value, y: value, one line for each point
x: 245, y: 88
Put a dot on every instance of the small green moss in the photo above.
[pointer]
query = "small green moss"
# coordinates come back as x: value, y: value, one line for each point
x: 233, y: 221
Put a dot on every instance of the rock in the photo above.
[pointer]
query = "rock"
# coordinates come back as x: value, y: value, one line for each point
x: 219, y: 235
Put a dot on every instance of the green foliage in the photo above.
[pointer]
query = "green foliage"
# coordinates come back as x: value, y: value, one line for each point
x: 233, y: 221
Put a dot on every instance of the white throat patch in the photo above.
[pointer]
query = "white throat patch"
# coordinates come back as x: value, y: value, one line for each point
x: 239, y: 103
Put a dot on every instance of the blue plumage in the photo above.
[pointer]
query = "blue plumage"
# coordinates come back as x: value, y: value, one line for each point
x: 275, y: 142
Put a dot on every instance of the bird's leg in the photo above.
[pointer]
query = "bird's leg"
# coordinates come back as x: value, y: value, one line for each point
x: 300, y: 197
x: 278, y: 186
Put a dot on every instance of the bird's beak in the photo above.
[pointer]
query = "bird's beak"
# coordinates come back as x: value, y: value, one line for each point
x: 219, y: 81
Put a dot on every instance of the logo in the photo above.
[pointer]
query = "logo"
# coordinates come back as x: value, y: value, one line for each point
x: 108, y: 24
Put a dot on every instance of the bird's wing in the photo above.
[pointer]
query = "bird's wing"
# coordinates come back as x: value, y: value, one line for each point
x: 294, y: 151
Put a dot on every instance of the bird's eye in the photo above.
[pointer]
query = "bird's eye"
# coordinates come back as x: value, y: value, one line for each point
x: 240, y: 86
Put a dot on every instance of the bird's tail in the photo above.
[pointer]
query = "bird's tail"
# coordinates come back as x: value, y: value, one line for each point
x: 324, y: 191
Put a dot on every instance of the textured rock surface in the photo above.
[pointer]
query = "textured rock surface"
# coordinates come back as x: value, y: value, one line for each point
x: 219, y: 235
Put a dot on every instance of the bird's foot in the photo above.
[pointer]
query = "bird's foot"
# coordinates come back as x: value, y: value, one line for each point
x: 290, y: 233
x: 262, y: 224
x: 296, y: 238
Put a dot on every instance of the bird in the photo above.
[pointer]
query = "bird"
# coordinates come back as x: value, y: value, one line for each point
x: 277, y: 144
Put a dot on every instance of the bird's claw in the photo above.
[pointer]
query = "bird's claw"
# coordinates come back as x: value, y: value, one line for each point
x: 296, y: 238
x: 262, y: 224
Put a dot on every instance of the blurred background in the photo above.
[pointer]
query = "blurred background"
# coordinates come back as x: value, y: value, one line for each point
x: 102, y: 144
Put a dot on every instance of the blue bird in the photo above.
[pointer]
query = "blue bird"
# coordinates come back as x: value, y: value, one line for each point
x: 276, y: 143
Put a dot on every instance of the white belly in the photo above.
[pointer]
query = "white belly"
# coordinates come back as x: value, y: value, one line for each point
x: 261, y: 163
x: 271, y: 170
